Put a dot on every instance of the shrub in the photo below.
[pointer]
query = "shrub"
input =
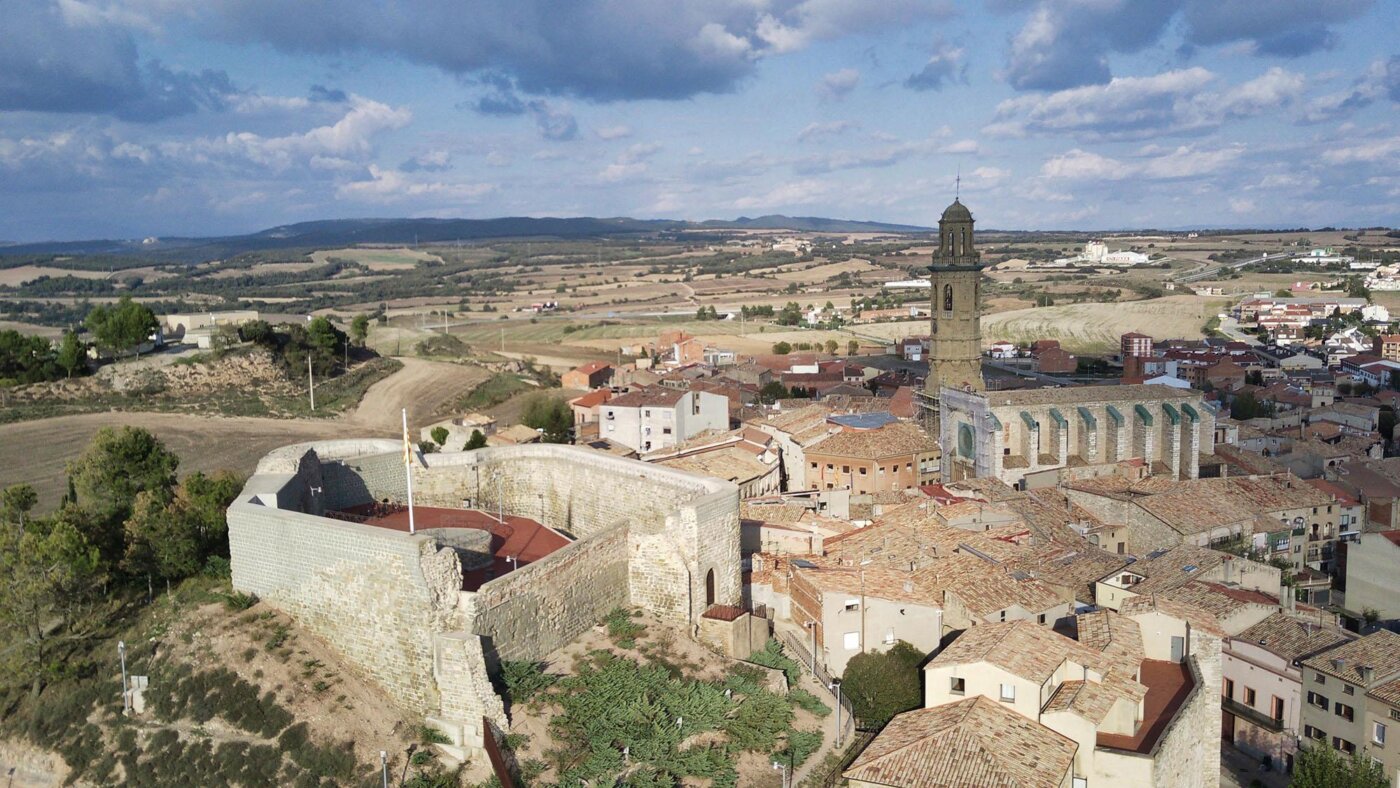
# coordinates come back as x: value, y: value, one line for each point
x: 759, y: 721
x: 621, y: 626
x: 808, y: 702
x: 524, y: 679
x: 239, y: 600
x: 430, y: 735
x: 800, y: 746
x: 772, y: 656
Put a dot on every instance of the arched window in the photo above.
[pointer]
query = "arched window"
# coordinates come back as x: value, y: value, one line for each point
x: 947, y: 298
x: 963, y: 250
x: 709, y: 588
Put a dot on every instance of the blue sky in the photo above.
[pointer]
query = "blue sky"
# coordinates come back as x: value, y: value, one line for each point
x: 132, y: 118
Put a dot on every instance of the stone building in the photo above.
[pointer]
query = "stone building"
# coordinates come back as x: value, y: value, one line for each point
x: 955, y: 340
x: 1027, y: 438
x: 427, y: 614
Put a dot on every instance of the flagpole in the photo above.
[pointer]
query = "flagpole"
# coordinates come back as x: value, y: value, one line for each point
x: 408, y: 469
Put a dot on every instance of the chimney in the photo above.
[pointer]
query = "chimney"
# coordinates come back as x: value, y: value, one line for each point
x: 1338, y: 663
x: 1368, y: 674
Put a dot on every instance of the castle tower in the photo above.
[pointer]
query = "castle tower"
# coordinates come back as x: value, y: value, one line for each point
x: 955, y: 358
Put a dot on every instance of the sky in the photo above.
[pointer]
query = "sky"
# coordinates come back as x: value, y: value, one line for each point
x: 138, y: 118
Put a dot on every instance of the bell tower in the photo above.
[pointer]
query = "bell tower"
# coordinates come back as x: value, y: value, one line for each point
x: 955, y: 358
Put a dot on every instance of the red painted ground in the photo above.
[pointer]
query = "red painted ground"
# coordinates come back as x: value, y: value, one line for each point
x: 519, y: 538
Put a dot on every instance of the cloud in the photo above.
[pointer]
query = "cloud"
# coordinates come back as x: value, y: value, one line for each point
x: 73, y: 58
x: 1066, y: 43
x: 1381, y: 80
x: 943, y: 68
x: 432, y: 161
x: 1172, y: 102
x: 639, y: 152
x: 555, y: 123
x: 1379, y: 151
x: 802, y: 192
x: 323, y: 94
x: 1287, y: 29
x: 614, y: 132
x: 598, y: 50
x: 838, y: 84
x: 391, y: 186
x: 1241, y: 205
x: 1149, y: 163
x: 882, y: 156
x: 814, y: 131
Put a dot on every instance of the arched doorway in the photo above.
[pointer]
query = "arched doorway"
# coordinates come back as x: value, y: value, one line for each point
x: 709, y: 588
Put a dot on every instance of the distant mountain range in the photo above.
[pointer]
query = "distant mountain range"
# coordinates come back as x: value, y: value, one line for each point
x: 331, y: 233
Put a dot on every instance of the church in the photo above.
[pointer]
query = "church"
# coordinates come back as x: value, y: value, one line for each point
x: 1032, y: 438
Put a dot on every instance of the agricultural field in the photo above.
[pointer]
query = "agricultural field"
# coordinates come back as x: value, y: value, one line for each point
x: 1096, y: 328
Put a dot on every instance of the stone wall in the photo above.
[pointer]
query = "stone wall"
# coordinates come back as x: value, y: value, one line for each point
x: 532, y: 611
x: 1188, y: 755
x: 392, y: 602
x: 362, y: 588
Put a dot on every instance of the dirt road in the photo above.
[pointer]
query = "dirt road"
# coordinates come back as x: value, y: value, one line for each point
x: 37, y: 451
x: 424, y: 387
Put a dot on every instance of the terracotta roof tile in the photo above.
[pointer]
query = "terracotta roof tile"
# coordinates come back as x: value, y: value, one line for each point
x: 973, y: 742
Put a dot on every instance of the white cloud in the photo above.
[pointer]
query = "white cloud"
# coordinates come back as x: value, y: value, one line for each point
x: 1150, y: 163
x: 614, y: 132
x: 961, y: 146
x: 802, y: 192
x: 1380, y: 151
x: 829, y: 129
x: 1172, y: 102
x: 838, y: 84
x: 1082, y: 165
x: 387, y: 186
x: 1241, y: 205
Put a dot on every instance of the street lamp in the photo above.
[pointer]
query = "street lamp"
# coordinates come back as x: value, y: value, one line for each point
x: 835, y: 686
x: 514, y: 562
x: 126, y: 698
x: 779, y: 767
x: 384, y: 767
x: 812, y: 625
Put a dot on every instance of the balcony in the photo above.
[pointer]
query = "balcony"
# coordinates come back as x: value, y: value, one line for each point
x: 1251, y: 715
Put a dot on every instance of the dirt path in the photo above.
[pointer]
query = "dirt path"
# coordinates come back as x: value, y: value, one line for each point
x: 423, y: 387
x: 37, y: 452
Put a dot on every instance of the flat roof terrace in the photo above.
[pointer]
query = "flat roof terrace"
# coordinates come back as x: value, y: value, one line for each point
x: 1168, y: 684
x: 515, y: 541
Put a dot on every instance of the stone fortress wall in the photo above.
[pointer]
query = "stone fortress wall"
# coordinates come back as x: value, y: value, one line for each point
x: 392, y: 602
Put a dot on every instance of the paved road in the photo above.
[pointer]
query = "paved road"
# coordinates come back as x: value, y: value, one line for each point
x: 1230, y: 327
x: 1214, y: 271
x: 1238, y: 770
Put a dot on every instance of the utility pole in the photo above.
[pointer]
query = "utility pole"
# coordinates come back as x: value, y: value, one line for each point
x: 503, y: 340
x: 836, y: 685
x: 311, y: 379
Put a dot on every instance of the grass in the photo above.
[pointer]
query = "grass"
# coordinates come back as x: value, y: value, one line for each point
x: 493, y: 391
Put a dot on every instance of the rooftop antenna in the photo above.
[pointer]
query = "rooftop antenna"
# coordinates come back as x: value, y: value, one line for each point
x: 957, y: 185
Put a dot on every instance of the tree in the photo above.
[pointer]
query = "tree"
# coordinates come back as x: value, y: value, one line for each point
x: 883, y: 684
x: 15, y: 503
x: 782, y: 348
x: 259, y: 332
x: 439, y: 435
x: 121, y: 327
x: 117, y: 465
x: 771, y: 392
x: 49, y: 569
x: 25, y: 359
x: 852, y: 347
x: 476, y: 441
x: 1320, y: 766
x: 790, y: 315
x: 72, y: 353
x: 553, y: 416
x: 359, y: 329
x: 832, y: 346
